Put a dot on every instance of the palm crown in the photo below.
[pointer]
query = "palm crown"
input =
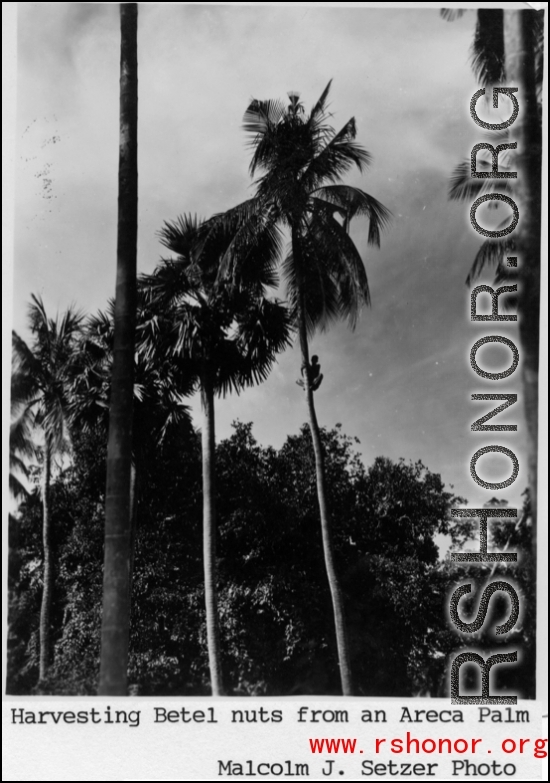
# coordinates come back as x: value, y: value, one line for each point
x: 301, y: 160
x: 224, y: 327
x: 42, y: 374
x: 160, y: 386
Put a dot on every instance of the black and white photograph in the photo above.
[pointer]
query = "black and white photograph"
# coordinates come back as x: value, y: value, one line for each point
x: 274, y: 392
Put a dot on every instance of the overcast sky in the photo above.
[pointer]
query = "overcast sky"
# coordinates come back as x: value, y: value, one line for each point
x: 401, y: 382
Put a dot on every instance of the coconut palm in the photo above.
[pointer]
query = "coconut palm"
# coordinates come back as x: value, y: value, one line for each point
x: 228, y: 333
x: 41, y: 378
x: 509, y: 46
x: 302, y: 160
x: 115, y: 627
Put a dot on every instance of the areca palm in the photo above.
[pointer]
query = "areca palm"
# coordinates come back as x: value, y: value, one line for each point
x: 301, y: 160
x: 41, y: 378
x: 115, y: 629
x: 228, y: 334
x: 509, y: 45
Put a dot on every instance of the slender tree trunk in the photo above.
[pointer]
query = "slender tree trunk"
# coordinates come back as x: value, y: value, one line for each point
x: 116, y: 579
x: 133, y: 688
x: 209, y: 533
x: 526, y: 131
x: 47, y: 588
x: 334, y: 585
x: 133, y: 520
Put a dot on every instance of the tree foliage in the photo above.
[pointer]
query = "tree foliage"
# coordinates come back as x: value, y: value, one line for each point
x: 274, y: 602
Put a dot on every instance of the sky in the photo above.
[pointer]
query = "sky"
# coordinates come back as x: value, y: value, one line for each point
x: 401, y: 382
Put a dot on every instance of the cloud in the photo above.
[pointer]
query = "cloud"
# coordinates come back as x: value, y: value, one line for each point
x: 400, y: 381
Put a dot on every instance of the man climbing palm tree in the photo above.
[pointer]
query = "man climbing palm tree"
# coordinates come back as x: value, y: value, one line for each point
x: 302, y: 161
x: 313, y: 371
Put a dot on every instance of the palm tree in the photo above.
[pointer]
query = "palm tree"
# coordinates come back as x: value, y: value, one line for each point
x: 115, y: 627
x: 509, y: 46
x: 160, y: 387
x: 228, y: 334
x: 302, y: 161
x: 41, y: 379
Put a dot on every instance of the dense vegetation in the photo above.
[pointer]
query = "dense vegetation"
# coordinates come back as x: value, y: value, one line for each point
x: 274, y: 604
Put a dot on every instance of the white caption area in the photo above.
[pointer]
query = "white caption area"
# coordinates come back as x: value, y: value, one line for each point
x: 207, y: 739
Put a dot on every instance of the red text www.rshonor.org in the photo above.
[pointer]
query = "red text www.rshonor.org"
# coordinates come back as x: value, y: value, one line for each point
x: 410, y: 745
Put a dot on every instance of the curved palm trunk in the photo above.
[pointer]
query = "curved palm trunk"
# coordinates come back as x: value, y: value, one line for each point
x: 520, y: 72
x: 209, y: 533
x: 47, y: 589
x: 115, y: 629
x: 334, y: 585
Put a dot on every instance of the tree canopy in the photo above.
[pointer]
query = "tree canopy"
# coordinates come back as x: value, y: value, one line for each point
x: 273, y: 596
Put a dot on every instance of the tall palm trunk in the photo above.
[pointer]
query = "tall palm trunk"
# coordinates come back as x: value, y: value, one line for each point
x: 209, y: 532
x: 47, y: 587
x: 520, y: 72
x: 116, y: 579
x: 324, y: 513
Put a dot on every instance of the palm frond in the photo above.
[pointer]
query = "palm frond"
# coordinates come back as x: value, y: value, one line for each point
x: 251, y: 257
x: 244, y: 244
x: 88, y: 408
x: 17, y: 489
x: 181, y: 235
x: 260, y: 122
x: 351, y: 202
x: 70, y: 326
x: 99, y: 330
x: 318, y: 111
x: 263, y: 330
x: 464, y: 187
x: 343, y: 261
x: 338, y: 157
x: 26, y: 371
x: 488, y: 62
x: 43, y: 375
x: 38, y: 320
x: 21, y: 433
x: 311, y: 286
x: 175, y: 416
x: 262, y: 115
x: 321, y: 131
x: 16, y: 463
x: 491, y: 254
x: 170, y: 283
x: 53, y: 420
